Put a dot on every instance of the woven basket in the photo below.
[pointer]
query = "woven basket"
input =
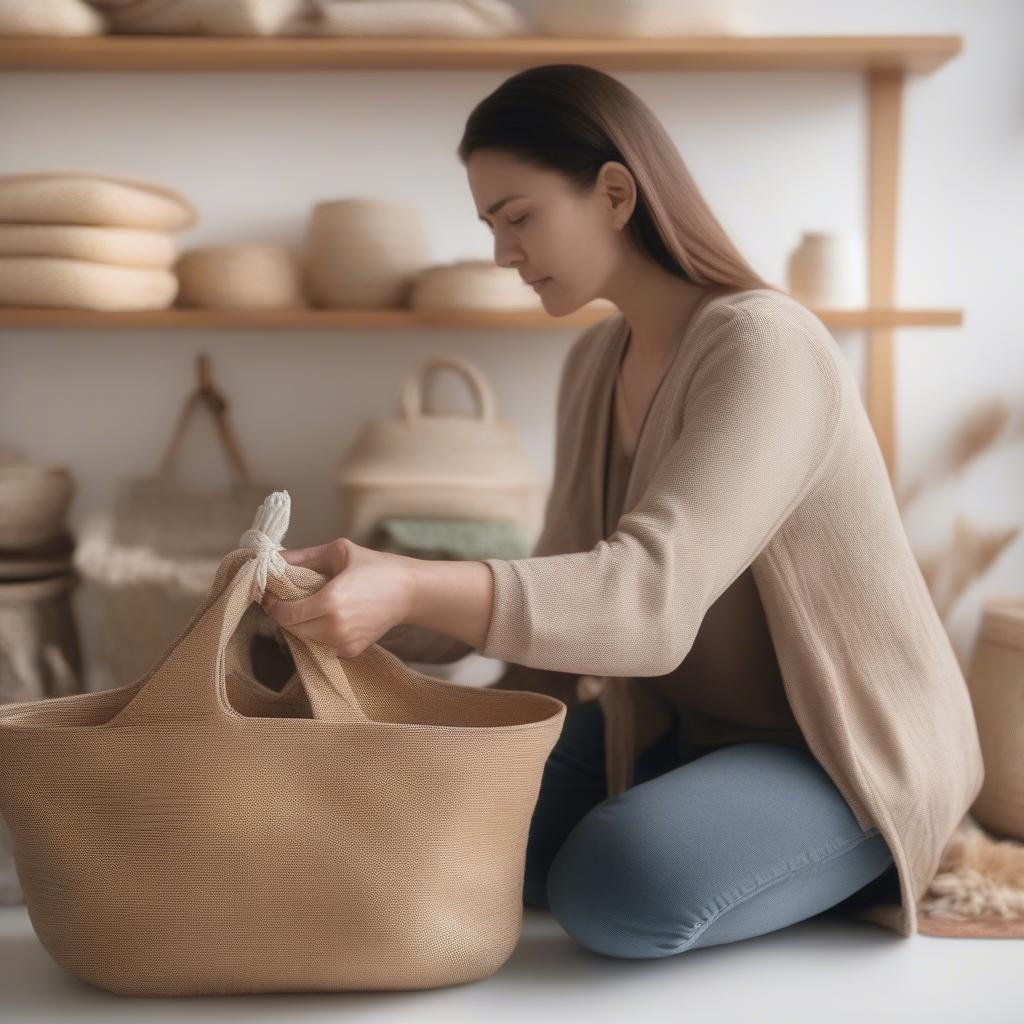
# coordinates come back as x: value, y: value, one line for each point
x: 365, y: 829
x: 472, y: 284
x: 246, y: 276
x: 363, y: 253
x: 34, y: 501
x: 443, y: 466
x: 40, y: 657
x: 995, y: 677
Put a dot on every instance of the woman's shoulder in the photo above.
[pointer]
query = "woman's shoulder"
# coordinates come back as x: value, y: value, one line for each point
x: 764, y: 308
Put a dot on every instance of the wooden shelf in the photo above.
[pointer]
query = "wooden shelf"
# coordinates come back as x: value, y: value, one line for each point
x: 915, y: 53
x: 404, y: 319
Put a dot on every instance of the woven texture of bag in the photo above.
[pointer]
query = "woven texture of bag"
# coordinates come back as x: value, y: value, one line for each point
x: 995, y: 678
x: 439, y: 466
x: 371, y: 837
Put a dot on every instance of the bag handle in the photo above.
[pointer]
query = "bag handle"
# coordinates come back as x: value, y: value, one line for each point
x: 413, y: 388
x: 188, y: 682
x: 209, y: 396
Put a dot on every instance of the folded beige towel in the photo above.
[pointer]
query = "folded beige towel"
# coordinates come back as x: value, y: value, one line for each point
x: 80, y: 284
x: 71, y: 197
x: 406, y: 18
x: 199, y: 17
x: 129, y: 247
x: 50, y: 18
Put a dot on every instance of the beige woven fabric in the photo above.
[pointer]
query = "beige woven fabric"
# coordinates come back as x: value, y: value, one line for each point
x: 747, y: 700
x: 72, y: 197
x: 129, y: 247
x: 185, y: 835
x: 82, y: 284
x: 757, y: 452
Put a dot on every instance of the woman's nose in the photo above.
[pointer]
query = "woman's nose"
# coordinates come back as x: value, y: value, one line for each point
x: 507, y: 254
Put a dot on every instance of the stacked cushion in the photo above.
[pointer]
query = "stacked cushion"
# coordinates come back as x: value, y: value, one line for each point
x: 50, y: 18
x: 87, y: 241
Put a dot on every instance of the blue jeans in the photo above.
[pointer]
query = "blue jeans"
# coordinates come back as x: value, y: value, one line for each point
x: 742, y: 840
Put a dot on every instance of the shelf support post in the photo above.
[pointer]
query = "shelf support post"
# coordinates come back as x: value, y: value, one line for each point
x: 885, y: 111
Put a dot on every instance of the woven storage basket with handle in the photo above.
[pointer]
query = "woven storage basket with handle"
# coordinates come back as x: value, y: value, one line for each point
x: 372, y: 837
x: 175, y: 519
x: 440, y: 466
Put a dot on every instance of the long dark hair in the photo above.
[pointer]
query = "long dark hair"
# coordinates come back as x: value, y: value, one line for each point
x: 573, y: 118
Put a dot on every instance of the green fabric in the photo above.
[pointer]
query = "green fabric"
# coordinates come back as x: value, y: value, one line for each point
x: 453, y: 539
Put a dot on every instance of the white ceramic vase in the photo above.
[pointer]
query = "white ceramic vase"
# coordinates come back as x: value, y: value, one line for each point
x: 826, y: 271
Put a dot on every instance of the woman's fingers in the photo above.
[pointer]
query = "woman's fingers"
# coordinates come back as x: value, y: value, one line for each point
x: 327, y: 559
x: 302, y: 609
x: 325, y: 630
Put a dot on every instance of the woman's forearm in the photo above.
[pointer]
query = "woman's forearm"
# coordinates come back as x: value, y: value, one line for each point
x: 452, y: 597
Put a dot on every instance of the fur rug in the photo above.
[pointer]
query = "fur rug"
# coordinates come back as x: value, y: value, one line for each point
x: 978, y: 890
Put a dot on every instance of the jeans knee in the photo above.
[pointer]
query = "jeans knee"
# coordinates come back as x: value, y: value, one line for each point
x: 600, y: 889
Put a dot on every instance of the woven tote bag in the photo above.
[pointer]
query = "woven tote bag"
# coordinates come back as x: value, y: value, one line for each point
x: 364, y: 829
x: 173, y: 518
x: 421, y: 464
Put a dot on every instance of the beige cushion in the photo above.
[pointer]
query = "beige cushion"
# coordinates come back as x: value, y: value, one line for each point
x: 408, y: 18
x: 200, y: 17
x: 50, y: 18
x: 80, y: 284
x: 69, y: 197
x: 130, y: 247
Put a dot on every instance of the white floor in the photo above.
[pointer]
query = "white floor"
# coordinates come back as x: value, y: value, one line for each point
x: 819, y: 970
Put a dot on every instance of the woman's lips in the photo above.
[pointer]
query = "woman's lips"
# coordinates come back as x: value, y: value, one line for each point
x: 540, y: 284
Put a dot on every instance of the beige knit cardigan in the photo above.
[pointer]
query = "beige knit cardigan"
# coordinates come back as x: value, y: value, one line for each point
x: 756, y: 452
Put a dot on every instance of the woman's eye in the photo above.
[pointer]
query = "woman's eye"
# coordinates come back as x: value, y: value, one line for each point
x: 521, y: 220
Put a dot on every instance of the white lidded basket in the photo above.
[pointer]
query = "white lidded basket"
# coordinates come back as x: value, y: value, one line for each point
x: 439, y: 465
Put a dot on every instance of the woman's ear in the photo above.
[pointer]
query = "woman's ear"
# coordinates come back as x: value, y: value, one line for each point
x: 617, y: 189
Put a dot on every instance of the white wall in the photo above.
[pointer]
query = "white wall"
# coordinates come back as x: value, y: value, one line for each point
x: 775, y: 153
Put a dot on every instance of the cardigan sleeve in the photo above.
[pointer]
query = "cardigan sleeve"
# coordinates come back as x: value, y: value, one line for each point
x: 759, y: 420
x: 417, y: 643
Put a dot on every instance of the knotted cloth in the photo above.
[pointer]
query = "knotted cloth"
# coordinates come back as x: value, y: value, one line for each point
x: 269, y: 526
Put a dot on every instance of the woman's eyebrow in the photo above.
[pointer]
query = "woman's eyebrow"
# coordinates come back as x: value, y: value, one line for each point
x: 495, y: 207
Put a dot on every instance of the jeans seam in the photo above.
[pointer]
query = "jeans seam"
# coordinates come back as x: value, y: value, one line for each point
x: 831, y: 855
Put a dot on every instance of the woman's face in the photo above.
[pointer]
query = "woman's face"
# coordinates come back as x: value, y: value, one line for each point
x: 571, y: 243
